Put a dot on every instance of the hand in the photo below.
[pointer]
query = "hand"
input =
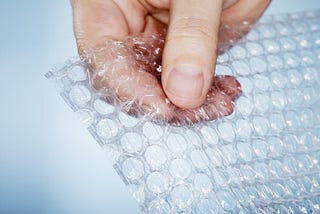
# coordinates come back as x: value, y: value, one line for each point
x: 192, y: 36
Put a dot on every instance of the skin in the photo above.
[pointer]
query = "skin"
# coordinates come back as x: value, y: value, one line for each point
x: 193, y: 32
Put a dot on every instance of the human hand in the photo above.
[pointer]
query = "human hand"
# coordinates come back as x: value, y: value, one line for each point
x: 190, y: 29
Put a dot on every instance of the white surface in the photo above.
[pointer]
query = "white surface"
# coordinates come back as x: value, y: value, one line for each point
x: 48, y: 161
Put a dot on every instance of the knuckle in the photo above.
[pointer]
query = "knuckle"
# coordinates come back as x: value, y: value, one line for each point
x: 193, y: 28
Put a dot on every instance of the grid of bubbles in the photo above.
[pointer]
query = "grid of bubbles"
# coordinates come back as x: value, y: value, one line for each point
x: 263, y: 158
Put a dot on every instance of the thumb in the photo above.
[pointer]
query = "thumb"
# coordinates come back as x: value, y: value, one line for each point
x: 190, y: 50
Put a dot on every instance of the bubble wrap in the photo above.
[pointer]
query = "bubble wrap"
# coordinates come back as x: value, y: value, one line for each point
x: 263, y: 158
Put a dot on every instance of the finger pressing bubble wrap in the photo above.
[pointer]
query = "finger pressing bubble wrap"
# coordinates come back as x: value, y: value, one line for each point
x: 262, y: 158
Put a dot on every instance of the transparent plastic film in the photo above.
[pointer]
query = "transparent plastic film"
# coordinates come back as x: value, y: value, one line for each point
x: 129, y: 71
x: 256, y: 152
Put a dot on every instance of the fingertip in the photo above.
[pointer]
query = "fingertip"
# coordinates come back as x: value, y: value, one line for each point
x: 218, y: 104
x: 185, y: 86
x: 229, y: 85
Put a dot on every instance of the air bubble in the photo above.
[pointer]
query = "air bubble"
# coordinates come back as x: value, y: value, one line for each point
x: 199, y: 159
x: 127, y: 120
x: 159, y: 207
x: 241, y: 68
x: 246, y: 85
x: 261, y: 82
x: 226, y: 132
x: 258, y: 65
x: 267, y: 31
x: 238, y: 52
x: 155, y: 156
x: 279, y: 100
x: 77, y: 73
x: 292, y: 60
x: 80, y: 95
x: 254, y: 49
x: 276, y: 122
x: 176, y: 143
x: 229, y: 154
x: 210, y: 135
x: 157, y: 183
x: 261, y: 125
x: 85, y: 117
x: 275, y: 146
x: 181, y: 196
x: 244, y: 106
x: 203, y: 183
x: 271, y: 46
x: 244, y: 151
x: 275, y: 62
x: 152, y: 131
x: 132, y: 142
x: 223, y: 70
x: 206, y: 206
x: 107, y: 128
x: 133, y: 168
x: 103, y: 107
x: 227, y: 200
x: 180, y: 168
x: 278, y: 79
x: 244, y: 128
x: 262, y: 102
x: 288, y: 44
x: 260, y: 148
x: 215, y: 157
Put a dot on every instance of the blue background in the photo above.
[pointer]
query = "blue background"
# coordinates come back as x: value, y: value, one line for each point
x: 48, y: 161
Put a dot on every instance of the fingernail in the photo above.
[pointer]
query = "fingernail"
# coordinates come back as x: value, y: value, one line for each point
x: 185, y: 82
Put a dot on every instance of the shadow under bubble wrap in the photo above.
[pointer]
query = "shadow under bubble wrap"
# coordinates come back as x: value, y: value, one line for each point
x: 265, y: 157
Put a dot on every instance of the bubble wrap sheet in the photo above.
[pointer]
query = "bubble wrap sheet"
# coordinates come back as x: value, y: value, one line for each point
x: 263, y: 158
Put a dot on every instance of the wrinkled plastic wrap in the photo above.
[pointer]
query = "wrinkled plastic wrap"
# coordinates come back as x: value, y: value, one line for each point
x: 264, y: 157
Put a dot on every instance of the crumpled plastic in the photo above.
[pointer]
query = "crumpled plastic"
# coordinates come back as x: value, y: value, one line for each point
x: 262, y: 158
x: 129, y: 71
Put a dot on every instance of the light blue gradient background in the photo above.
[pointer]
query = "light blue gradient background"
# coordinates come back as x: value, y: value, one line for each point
x: 48, y: 162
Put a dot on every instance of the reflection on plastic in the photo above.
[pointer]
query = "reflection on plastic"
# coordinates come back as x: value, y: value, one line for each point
x: 264, y: 157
